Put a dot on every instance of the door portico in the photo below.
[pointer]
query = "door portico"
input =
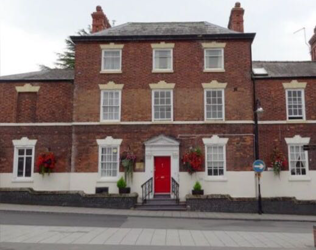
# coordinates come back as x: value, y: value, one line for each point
x: 162, y: 147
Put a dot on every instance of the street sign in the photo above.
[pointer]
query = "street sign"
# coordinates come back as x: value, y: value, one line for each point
x: 309, y: 147
x: 259, y: 166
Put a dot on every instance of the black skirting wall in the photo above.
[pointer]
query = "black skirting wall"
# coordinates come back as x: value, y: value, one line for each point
x: 64, y: 198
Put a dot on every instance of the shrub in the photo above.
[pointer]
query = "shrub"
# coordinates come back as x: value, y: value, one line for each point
x: 121, y: 183
x: 197, y: 186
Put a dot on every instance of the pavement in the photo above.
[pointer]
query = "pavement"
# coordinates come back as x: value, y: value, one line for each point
x: 158, y: 214
x: 25, y: 227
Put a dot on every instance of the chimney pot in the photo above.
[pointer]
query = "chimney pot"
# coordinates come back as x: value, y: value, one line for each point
x: 236, y: 19
x: 99, y: 20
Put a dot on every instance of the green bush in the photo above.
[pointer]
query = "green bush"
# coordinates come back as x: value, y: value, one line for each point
x: 197, y: 186
x: 121, y: 183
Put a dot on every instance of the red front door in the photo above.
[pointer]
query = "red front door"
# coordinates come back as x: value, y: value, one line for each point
x: 162, y: 174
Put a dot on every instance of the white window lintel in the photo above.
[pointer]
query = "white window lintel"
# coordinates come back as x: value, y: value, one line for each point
x: 295, y: 85
x: 111, y: 86
x: 214, y: 85
x: 109, y: 141
x: 215, y: 140
x: 162, y: 85
x: 162, y: 45
x: 213, y: 45
x: 27, y: 88
x: 111, y: 46
x: 24, y: 142
x: 298, y: 140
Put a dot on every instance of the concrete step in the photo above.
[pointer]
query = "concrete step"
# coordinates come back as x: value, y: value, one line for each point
x: 161, y: 208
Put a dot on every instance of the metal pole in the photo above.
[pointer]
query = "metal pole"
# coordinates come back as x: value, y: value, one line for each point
x: 259, y: 195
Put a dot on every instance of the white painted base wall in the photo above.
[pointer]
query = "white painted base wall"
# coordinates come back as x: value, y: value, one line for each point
x: 237, y: 184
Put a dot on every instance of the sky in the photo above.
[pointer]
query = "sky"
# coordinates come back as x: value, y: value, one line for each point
x: 33, y: 31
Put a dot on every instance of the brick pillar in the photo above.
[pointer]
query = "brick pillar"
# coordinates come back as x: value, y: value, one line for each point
x: 99, y: 20
x: 312, y: 42
x: 236, y: 19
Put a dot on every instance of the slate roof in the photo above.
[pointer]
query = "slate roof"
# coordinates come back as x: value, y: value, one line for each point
x: 43, y: 75
x: 278, y: 69
x: 164, y: 28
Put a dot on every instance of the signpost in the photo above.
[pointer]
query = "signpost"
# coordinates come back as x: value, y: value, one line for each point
x: 309, y: 147
x: 259, y: 166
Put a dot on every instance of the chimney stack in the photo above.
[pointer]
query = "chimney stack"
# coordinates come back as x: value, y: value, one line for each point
x: 99, y: 20
x: 312, y: 42
x: 236, y: 19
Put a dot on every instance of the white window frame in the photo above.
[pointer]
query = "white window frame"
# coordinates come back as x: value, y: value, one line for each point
x: 23, y: 143
x: 298, y: 141
x: 303, y: 105
x: 222, y: 68
x: 110, y: 70
x: 153, y: 105
x: 120, y: 105
x: 215, y: 141
x: 154, y: 63
x: 109, y: 142
x: 205, y: 103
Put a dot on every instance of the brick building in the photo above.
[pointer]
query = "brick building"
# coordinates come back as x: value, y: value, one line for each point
x: 157, y: 90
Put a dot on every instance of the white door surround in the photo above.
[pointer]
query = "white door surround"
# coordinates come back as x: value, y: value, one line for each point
x: 162, y: 146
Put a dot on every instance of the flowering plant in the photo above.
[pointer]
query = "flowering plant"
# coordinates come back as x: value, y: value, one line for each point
x: 278, y: 161
x: 192, y: 161
x: 46, y: 163
x: 128, y: 160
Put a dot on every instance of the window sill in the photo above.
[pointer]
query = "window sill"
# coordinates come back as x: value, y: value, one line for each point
x: 108, y: 180
x: 162, y: 122
x: 22, y: 180
x: 214, y: 121
x: 110, y: 122
x: 296, y: 121
x: 216, y: 179
x: 162, y: 71
x: 214, y: 70
x: 300, y: 178
x: 111, y: 72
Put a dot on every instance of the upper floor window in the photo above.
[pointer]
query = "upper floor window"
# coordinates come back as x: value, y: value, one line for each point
x: 162, y: 105
x: 214, y: 59
x: 110, y: 105
x: 24, y: 158
x: 162, y: 60
x: 214, y: 104
x: 295, y: 104
x: 111, y: 60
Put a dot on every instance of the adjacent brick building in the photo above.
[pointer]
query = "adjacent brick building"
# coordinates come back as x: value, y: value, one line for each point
x: 157, y: 91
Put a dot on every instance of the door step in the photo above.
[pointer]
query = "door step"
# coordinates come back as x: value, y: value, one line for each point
x: 162, y: 202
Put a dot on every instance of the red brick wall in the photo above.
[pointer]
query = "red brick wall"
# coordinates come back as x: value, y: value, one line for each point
x: 53, y: 104
x: 56, y: 139
x: 25, y: 107
x: 271, y: 94
x: 274, y: 135
x: 239, y: 148
x: 188, y: 76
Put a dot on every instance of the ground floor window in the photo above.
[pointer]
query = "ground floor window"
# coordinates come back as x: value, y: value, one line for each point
x: 298, y: 160
x: 24, y: 151
x: 109, y: 161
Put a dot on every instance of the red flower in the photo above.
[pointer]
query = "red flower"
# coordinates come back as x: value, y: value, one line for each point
x: 46, y: 162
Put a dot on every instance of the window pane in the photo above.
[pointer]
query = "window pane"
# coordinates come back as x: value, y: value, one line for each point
x: 162, y: 59
x: 215, y: 160
x: 111, y: 60
x: 109, y: 161
x: 295, y: 104
x: 162, y: 105
x: 213, y: 59
x: 28, y: 166
x: 214, y: 104
x: 21, y: 151
x: 20, y: 166
x: 297, y: 160
x: 111, y: 105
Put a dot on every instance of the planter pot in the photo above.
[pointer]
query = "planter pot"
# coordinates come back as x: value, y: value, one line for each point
x: 125, y: 190
x: 198, y: 192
